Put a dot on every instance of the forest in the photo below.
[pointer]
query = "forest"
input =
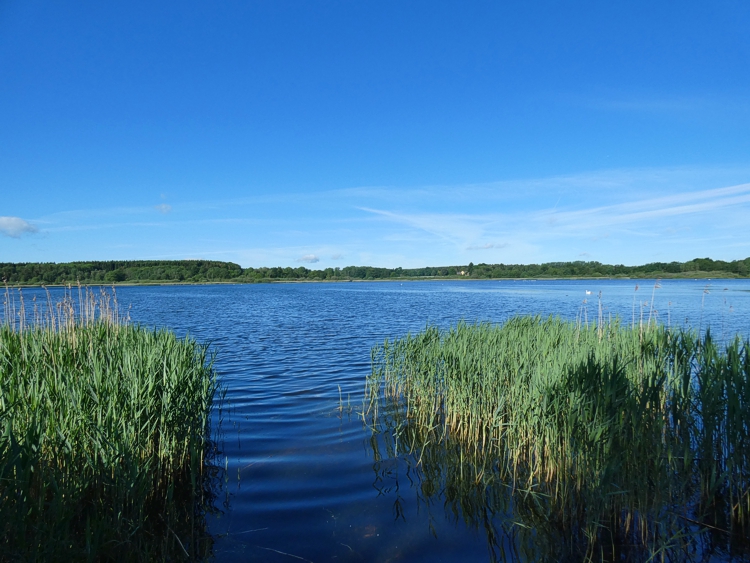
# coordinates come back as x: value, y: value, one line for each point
x: 208, y: 271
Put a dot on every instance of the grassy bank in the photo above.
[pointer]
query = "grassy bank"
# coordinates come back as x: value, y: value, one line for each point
x: 607, y: 441
x: 104, y: 437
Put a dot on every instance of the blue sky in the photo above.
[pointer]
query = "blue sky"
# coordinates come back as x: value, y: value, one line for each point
x: 286, y: 133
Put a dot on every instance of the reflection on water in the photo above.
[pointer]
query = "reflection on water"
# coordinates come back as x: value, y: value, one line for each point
x: 178, y: 518
x: 522, y: 523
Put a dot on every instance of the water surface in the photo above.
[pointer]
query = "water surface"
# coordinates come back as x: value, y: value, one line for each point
x: 302, y: 479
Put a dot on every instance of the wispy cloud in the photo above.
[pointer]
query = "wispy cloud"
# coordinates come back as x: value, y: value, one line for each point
x: 449, y: 227
x: 605, y: 212
x: 674, y: 104
x: 650, y: 104
x: 15, y: 227
x: 652, y: 209
x: 611, y: 223
x: 487, y: 246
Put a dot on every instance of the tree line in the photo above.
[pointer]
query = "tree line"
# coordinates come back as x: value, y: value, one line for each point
x: 207, y: 271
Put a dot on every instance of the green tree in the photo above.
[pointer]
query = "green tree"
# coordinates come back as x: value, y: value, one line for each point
x: 116, y: 275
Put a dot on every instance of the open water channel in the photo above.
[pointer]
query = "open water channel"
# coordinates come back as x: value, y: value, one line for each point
x: 302, y: 481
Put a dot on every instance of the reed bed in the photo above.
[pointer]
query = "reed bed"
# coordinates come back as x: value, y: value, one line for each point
x: 624, y: 438
x: 105, y: 450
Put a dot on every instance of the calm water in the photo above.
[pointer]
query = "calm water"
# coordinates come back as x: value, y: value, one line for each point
x: 302, y: 479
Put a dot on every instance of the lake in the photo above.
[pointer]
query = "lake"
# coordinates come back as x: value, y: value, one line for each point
x: 302, y: 480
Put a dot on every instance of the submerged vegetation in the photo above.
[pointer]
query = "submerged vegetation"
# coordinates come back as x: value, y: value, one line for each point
x: 208, y: 271
x: 104, y: 436
x: 569, y: 441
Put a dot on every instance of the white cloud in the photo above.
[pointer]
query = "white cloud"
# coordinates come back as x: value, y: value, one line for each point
x: 309, y: 258
x: 337, y: 257
x: 15, y: 227
x: 163, y: 208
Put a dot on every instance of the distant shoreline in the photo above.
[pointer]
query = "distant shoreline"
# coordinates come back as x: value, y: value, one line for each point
x: 202, y: 272
x: 693, y: 276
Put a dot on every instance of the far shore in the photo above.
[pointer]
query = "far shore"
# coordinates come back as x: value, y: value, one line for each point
x: 662, y: 276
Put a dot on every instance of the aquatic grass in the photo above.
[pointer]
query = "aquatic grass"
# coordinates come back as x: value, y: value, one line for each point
x: 105, y: 445
x: 637, y: 434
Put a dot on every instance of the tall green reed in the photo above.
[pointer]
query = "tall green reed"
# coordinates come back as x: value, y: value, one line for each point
x: 638, y: 433
x: 105, y: 449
